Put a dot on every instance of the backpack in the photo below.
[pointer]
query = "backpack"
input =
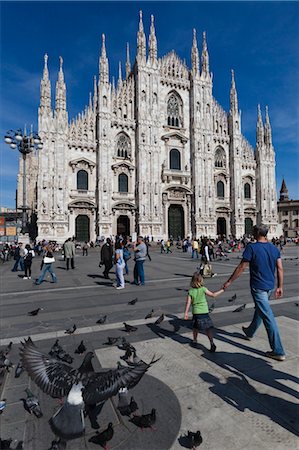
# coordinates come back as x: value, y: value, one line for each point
x: 127, y: 254
x: 29, y: 256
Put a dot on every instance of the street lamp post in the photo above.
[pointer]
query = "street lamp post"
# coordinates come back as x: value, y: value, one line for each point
x: 25, y: 145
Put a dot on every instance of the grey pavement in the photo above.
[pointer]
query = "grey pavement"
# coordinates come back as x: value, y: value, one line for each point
x: 237, y: 397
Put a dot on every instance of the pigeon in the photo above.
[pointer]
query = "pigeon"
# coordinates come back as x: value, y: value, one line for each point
x: 7, y: 349
x: 127, y: 355
x: 81, y: 348
x: 234, y: 297
x: 19, y: 370
x: 241, y: 308
x: 212, y: 307
x: 115, y: 340
x: 79, y: 386
x: 132, y: 302
x: 56, y: 348
x: 194, y: 439
x: 159, y: 320
x: 34, y: 312
x: 5, y: 443
x: 125, y: 345
x: 296, y: 304
x: 144, y: 421
x: 58, y: 445
x: 129, y: 328
x: 58, y: 352
x: 102, y: 320
x: 104, y: 437
x: 19, y: 446
x: 31, y: 404
x: 126, y: 409
x: 150, y: 315
x: 71, y: 330
x: 5, y: 363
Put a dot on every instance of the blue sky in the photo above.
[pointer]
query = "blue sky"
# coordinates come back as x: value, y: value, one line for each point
x: 259, y: 40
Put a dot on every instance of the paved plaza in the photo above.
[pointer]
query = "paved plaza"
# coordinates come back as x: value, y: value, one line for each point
x: 237, y: 398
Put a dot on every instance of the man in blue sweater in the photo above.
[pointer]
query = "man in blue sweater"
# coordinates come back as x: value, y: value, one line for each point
x: 263, y: 258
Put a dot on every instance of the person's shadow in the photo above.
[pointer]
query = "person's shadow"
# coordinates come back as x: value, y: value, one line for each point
x: 237, y: 392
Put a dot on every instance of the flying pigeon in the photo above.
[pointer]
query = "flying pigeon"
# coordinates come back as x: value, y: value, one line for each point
x: 132, y: 302
x: 159, y: 320
x: 102, y: 320
x: 104, y: 437
x: 234, y: 297
x: 150, y: 315
x: 80, y: 386
x: 19, y: 370
x: 129, y: 328
x: 144, y: 421
x: 194, y: 439
x: 5, y: 443
x: 212, y: 307
x: 35, y: 312
x: 81, y: 348
x: 71, y: 330
x: 241, y: 308
x: 31, y: 404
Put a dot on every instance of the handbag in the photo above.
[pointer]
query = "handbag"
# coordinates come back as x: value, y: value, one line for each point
x: 48, y: 260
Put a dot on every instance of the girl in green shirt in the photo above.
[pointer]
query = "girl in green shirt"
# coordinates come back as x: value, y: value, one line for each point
x: 200, y: 310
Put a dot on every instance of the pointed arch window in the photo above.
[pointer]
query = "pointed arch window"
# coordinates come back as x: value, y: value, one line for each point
x: 174, y: 118
x: 247, y: 191
x: 220, y: 158
x: 82, y: 180
x: 122, y: 183
x: 123, y: 146
x: 220, y: 189
x: 175, y: 159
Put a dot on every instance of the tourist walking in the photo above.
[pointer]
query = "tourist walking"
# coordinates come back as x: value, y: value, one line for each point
x: 106, y: 257
x: 140, y: 254
x: 119, y: 265
x: 162, y: 245
x: 195, y: 249
x: 48, y: 260
x: 19, y: 258
x: 29, y: 255
x: 85, y: 249
x: 168, y: 243
x: 263, y: 259
x: 200, y: 309
x: 69, y: 253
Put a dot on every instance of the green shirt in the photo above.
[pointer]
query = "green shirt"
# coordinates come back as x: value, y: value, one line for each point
x: 198, y: 300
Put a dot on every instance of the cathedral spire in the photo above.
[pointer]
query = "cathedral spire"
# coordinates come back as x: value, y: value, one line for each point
x: 95, y: 93
x: 103, y: 64
x: 233, y: 96
x: 128, y: 64
x: 259, y: 128
x: 45, y: 88
x: 268, y: 130
x: 141, y: 43
x: 205, y: 69
x: 60, y: 104
x: 152, y: 43
x: 194, y: 55
x: 120, y: 81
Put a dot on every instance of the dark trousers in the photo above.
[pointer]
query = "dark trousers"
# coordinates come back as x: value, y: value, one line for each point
x: 68, y: 263
x: 85, y: 252
x: 27, y: 268
x: 108, y: 265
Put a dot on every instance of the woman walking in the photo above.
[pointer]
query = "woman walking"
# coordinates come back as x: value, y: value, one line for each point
x: 47, y: 267
x: 119, y: 265
x: 29, y: 255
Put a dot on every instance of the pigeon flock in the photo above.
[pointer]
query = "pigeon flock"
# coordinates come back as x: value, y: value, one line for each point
x: 81, y: 390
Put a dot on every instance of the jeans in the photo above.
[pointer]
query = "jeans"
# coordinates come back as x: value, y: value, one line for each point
x: 139, y: 272
x: 47, y: 268
x: 20, y: 261
x: 264, y: 313
x: 195, y: 252
x: 119, y: 272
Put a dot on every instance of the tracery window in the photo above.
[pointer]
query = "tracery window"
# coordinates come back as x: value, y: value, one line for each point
x: 247, y: 190
x: 175, y: 159
x: 82, y: 180
x: 123, y: 146
x: 220, y: 158
x: 173, y: 111
x: 220, y: 189
x: 122, y: 183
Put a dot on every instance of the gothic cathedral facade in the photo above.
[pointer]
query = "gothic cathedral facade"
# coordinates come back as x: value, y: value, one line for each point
x: 155, y: 154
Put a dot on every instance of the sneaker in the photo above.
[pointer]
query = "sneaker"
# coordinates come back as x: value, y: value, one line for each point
x: 214, y: 275
x: 120, y: 287
x: 248, y: 338
x: 29, y: 278
x: 25, y: 278
x: 275, y: 356
x: 213, y: 348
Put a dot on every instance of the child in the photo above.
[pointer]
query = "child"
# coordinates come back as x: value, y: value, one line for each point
x: 200, y: 310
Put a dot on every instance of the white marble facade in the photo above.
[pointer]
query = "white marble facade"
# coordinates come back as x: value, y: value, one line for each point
x: 155, y: 154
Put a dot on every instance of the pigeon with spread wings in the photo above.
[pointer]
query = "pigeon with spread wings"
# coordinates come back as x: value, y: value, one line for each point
x: 80, y: 386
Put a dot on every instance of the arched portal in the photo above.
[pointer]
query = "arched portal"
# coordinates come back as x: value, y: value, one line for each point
x: 123, y: 226
x: 176, y: 222
x: 221, y: 226
x: 82, y: 228
x: 248, y: 225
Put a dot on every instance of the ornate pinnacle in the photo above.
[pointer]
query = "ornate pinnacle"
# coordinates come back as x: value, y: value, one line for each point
x: 128, y: 64
x: 194, y: 54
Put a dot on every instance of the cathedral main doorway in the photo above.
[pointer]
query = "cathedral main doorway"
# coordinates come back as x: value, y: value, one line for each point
x: 82, y: 228
x: 123, y: 226
x: 248, y: 225
x: 221, y: 226
x: 176, y: 222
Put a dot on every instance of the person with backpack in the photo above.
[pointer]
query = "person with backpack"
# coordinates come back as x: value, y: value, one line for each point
x: 48, y: 260
x: 29, y: 255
